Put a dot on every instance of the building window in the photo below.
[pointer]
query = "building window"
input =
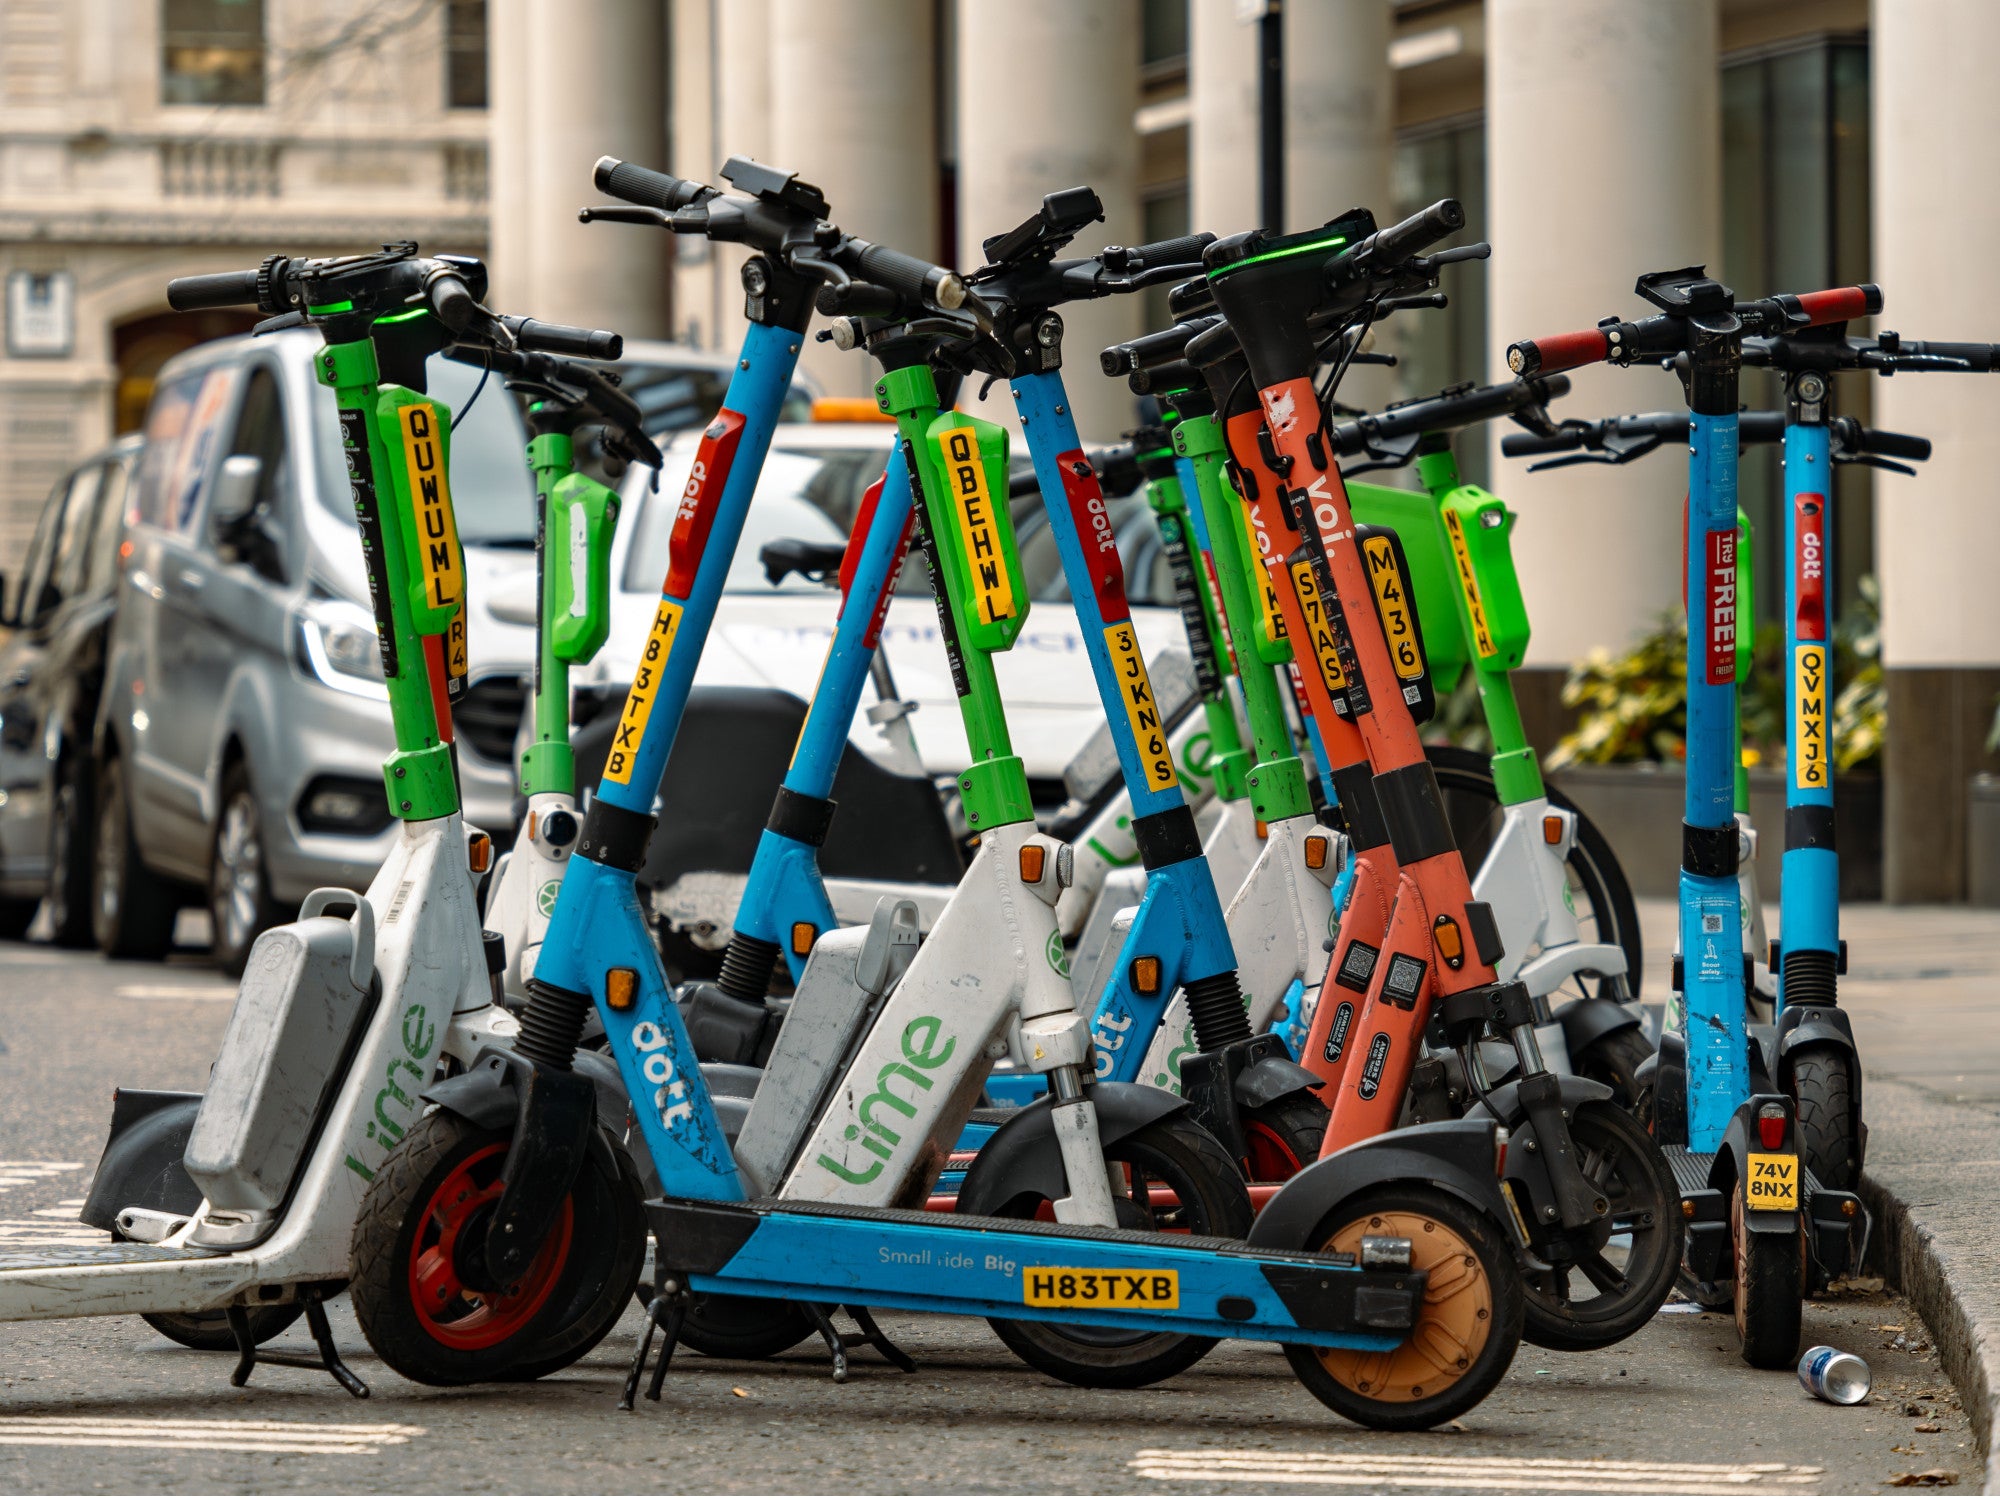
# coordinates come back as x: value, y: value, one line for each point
x: 465, y: 54
x: 1448, y: 346
x: 1163, y: 34
x: 212, y: 51
x: 1795, y: 207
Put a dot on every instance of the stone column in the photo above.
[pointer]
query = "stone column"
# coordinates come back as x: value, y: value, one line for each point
x: 1603, y: 161
x: 1936, y: 154
x: 1047, y: 89
x: 854, y: 112
x: 612, y: 55
x: 691, y: 52
x: 1222, y: 125
x: 741, y: 36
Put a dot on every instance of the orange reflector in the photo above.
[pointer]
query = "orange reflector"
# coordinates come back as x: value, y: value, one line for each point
x: 848, y: 409
x: 1263, y: 830
x: 621, y: 988
x: 1034, y: 859
x: 534, y: 822
x: 1687, y: 1208
x: 1450, y: 945
x: 1849, y: 1207
x: 1146, y: 975
x: 1316, y: 851
x: 1552, y: 829
x: 802, y: 938
x: 479, y: 852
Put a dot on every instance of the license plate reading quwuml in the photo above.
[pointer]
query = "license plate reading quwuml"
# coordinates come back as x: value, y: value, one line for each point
x: 1070, y: 1286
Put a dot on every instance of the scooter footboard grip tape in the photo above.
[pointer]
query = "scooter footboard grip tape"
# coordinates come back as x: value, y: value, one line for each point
x: 1562, y: 351
x: 1838, y: 304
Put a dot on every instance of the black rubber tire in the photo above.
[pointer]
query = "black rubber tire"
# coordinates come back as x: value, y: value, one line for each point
x: 602, y: 1265
x: 240, y: 905
x: 744, y: 1327
x: 210, y: 1330
x: 1770, y: 1292
x: 132, y: 911
x: 1823, y: 1085
x: 16, y: 917
x: 1468, y: 775
x: 1628, y: 1167
x: 68, y: 891
x: 1285, y: 1137
x: 1493, y: 1262
x: 1213, y: 1201
x: 1614, y: 1060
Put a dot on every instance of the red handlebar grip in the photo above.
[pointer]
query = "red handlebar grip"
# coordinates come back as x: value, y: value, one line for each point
x: 1839, y: 304
x: 1563, y: 351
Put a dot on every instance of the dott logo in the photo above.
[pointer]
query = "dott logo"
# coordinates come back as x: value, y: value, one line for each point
x: 430, y: 498
x: 922, y: 1056
x: 699, y: 501
x: 1371, y: 1071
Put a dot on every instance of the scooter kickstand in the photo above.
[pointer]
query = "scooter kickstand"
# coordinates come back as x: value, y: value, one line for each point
x: 248, y: 1357
x: 834, y: 1344
x: 665, y: 1312
x: 872, y: 1333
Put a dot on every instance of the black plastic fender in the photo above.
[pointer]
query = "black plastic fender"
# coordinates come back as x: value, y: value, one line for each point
x: 1527, y: 1165
x: 1732, y: 1166
x: 1270, y: 1079
x: 1823, y: 1026
x: 1593, y: 1017
x: 1504, y: 1100
x: 1455, y: 1156
x: 141, y: 1165
x: 1022, y: 1156
x: 1670, y: 1097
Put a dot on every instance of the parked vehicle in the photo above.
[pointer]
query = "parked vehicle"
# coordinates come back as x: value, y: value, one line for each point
x: 242, y: 734
x: 51, y: 675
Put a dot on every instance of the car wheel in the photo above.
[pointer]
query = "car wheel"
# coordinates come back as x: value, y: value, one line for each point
x: 68, y: 893
x: 132, y: 910
x: 239, y: 895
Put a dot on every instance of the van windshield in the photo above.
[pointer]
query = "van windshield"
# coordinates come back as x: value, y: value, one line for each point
x: 492, y: 494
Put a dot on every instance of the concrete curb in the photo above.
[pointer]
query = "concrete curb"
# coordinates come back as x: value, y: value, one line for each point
x: 1933, y: 1184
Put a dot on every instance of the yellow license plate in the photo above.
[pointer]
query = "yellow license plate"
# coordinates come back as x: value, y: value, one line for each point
x: 1069, y: 1286
x: 1773, y: 1183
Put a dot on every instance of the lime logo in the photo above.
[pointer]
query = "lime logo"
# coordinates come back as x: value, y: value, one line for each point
x: 1569, y: 898
x: 922, y: 1057
x: 545, y: 898
x: 1058, y: 960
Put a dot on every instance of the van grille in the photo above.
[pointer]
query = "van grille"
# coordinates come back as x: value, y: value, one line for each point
x: 489, y: 716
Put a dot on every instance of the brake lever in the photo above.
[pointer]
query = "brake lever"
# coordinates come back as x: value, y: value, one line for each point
x: 625, y: 213
x: 1874, y: 461
x: 1425, y: 264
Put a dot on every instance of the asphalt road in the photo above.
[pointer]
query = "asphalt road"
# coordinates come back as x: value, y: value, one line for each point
x: 105, y: 1404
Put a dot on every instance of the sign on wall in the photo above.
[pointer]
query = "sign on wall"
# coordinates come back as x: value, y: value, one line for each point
x: 41, y: 314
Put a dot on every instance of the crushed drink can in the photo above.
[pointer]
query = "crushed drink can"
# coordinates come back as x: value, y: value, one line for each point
x: 1834, y: 1375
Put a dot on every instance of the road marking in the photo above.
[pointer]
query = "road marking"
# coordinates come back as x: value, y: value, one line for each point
x: 15, y: 1174
x: 200, y: 1436
x: 175, y: 992
x: 42, y: 1232
x: 1426, y: 1471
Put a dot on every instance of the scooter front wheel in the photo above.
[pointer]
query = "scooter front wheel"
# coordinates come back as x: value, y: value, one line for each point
x: 1467, y: 1330
x: 430, y: 1201
x: 1283, y: 1137
x: 1170, y: 1176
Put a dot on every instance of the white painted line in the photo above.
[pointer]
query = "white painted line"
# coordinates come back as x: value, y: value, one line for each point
x: 1425, y: 1471
x: 205, y: 1436
x: 175, y: 992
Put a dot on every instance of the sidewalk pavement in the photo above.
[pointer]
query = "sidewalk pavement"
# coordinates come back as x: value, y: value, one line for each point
x: 1923, y: 991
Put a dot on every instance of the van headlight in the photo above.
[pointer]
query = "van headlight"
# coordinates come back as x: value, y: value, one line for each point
x: 338, y: 645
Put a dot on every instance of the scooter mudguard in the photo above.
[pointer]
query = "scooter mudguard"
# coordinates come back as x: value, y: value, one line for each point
x: 1024, y: 1158
x: 141, y: 1165
x: 1271, y: 1078
x: 1592, y: 1018
x: 1802, y: 1026
x: 486, y: 1096
x: 1527, y: 1165
x: 1457, y: 1156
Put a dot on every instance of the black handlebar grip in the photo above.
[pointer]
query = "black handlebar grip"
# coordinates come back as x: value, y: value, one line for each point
x: 561, y: 338
x: 1397, y: 243
x: 1532, y: 444
x: 224, y: 289
x: 1981, y: 357
x: 642, y: 185
x: 907, y: 276
x: 452, y: 300
x: 1182, y: 250
x: 1150, y: 348
x: 1174, y: 375
x: 1191, y: 298
x: 1892, y: 444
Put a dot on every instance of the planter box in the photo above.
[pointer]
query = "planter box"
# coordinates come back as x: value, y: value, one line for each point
x: 1638, y: 809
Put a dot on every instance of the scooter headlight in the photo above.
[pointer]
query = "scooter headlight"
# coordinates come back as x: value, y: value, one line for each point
x: 338, y: 645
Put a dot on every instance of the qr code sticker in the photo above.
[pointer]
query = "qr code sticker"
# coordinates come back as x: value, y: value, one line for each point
x: 1710, y: 922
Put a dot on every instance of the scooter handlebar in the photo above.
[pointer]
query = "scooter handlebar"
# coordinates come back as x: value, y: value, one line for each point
x: 1838, y: 304
x: 560, y: 338
x: 909, y: 277
x: 1183, y: 250
x: 223, y: 289
x: 1562, y: 351
x: 644, y: 186
x: 1888, y: 444
x: 1399, y: 242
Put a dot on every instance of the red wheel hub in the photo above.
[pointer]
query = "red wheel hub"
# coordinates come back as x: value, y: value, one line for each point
x: 451, y: 1312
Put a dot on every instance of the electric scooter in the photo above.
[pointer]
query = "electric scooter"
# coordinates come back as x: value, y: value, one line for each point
x: 573, y: 575
x: 827, y: 1230
x: 1415, y: 954
x: 235, y: 1209
x: 1749, y: 1203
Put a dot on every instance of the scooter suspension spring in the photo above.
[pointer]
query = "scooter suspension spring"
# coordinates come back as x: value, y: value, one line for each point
x: 1809, y: 979
x: 1215, y: 1005
x: 746, y: 969
x: 552, y: 1025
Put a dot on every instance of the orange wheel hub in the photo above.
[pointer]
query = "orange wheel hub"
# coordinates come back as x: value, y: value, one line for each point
x: 1452, y: 1325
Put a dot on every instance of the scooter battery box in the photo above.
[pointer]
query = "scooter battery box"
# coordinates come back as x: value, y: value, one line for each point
x: 288, y: 1043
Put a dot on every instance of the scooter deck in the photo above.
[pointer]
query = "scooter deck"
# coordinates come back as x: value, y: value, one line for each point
x: 13, y: 1262
x: 1026, y: 1269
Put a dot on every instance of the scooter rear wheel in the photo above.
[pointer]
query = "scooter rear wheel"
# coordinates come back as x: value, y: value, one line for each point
x: 210, y: 1330
x: 1467, y: 1330
x: 1625, y: 1165
x: 1209, y: 1198
x: 1284, y: 1137
x: 1823, y: 1084
x: 431, y: 1196
x: 1770, y: 1291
